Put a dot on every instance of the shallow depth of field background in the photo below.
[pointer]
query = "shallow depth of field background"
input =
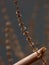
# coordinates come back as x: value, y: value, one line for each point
x: 27, y: 8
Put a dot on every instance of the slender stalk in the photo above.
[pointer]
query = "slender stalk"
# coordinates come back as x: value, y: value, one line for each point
x: 23, y: 28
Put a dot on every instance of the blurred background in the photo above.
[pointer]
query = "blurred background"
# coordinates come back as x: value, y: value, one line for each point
x: 35, y: 14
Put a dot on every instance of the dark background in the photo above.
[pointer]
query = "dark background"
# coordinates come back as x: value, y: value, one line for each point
x: 27, y: 8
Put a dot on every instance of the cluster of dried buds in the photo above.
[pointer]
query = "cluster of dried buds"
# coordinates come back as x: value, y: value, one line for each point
x: 23, y: 28
x: 7, y: 35
x: 8, y: 44
x: 24, y: 31
x: 10, y: 32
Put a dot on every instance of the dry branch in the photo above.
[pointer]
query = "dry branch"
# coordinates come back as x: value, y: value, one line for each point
x: 31, y: 58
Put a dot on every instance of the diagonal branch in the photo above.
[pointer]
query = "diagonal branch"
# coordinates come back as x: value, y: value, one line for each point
x: 32, y: 57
